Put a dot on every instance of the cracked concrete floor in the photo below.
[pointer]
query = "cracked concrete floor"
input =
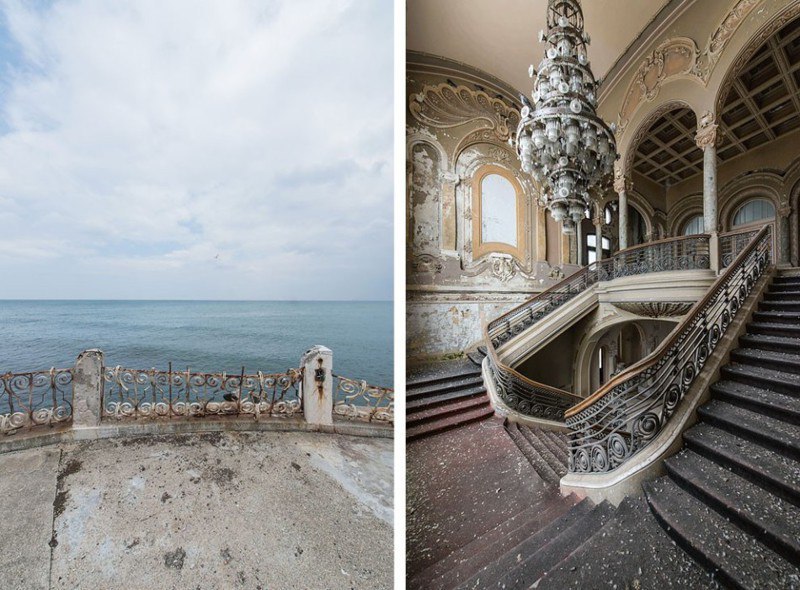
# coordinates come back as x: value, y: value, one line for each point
x: 210, y: 511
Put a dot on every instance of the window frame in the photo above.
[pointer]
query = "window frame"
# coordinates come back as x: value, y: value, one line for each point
x: 756, y: 223
x: 481, y: 248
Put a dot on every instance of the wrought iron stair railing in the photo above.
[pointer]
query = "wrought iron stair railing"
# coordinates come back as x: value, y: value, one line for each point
x: 625, y: 415
x: 544, y: 401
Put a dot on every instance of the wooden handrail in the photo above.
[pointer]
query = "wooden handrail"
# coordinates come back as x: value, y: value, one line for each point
x: 653, y: 357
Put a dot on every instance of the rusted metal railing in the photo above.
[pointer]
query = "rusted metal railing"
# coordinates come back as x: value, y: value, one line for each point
x: 152, y: 393
x: 358, y: 400
x: 543, y: 401
x: 626, y: 414
x: 38, y: 398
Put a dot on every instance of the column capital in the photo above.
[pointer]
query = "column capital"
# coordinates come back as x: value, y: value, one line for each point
x: 785, y: 210
x: 708, y: 132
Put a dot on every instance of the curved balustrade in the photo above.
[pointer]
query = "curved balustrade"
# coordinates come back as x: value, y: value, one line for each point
x: 543, y: 401
x: 629, y: 412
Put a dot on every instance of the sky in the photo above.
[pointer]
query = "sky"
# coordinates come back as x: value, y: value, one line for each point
x: 196, y: 149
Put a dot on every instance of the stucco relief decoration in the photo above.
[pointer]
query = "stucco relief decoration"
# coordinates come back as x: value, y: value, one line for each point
x: 445, y: 106
x: 674, y: 57
x: 503, y: 268
x: 426, y: 263
x: 656, y: 309
x: 707, y: 131
x: 719, y: 39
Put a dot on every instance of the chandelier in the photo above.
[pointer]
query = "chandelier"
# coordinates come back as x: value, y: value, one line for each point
x: 561, y: 141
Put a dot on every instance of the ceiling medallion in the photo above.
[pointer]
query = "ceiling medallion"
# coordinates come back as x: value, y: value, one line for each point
x: 561, y: 141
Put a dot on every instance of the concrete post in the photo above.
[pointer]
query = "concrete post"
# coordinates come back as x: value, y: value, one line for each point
x: 87, y: 380
x: 707, y: 137
x: 317, y: 364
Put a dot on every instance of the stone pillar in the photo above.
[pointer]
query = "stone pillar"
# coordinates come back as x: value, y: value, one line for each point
x: 707, y: 138
x: 622, y: 185
x: 87, y: 396
x: 598, y: 236
x: 317, y: 364
x: 579, y: 242
x: 783, y: 241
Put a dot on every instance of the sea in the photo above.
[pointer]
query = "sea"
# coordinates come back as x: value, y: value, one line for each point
x: 205, y: 336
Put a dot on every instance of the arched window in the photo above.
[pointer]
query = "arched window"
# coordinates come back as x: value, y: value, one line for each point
x: 498, y: 210
x: 694, y: 226
x: 498, y: 223
x: 752, y: 211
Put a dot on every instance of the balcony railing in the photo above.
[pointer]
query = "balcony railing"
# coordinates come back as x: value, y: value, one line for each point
x: 625, y: 415
x: 358, y: 400
x: 543, y: 401
x: 39, y: 398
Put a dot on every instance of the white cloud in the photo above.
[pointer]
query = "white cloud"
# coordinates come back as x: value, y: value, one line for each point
x: 175, y: 148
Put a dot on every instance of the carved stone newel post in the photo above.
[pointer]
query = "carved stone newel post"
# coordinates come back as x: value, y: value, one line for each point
x: 317, y: 364
x: 707, y: 138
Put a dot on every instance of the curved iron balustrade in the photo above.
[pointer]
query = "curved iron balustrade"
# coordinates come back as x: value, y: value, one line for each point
x: 543, y: 401
x: 624, y: 416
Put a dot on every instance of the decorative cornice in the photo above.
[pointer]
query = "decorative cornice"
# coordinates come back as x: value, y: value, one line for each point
x: 444, y: 106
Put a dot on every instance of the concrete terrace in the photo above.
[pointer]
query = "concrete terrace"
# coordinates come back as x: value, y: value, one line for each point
x: 213, y: 511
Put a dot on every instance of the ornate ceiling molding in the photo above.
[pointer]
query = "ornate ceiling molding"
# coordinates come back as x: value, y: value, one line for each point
x: 720, y: 37
x: 673, y: 58
x: 444, y: 106
x: 656, y: 309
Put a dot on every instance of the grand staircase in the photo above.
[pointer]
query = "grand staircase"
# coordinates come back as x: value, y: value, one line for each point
x: 727, y: 514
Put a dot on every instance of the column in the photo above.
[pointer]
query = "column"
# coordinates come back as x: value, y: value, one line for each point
x: 87, y: 389
x: 622, y: 185
x: 598, y: 236
x: 707, y: 137
x: 317, y: 364
x: 579, y: 242
x: 784, y: 243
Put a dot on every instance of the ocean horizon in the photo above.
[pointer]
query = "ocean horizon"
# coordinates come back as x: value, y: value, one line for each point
x: 203, y: 335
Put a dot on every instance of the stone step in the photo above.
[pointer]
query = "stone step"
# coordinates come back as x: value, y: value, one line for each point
x: 441, y: 411
x: 488, y: 575
x: 782, y: 305
x: 441, y: 375
x: 763, y: 401
x: 778, y: 381
x: 786, y: 362
x: 539, y: 464
x: 559, y: 466
x: 556, y: 446
x: 781, y: 436
x: 774, y: 329
x: 417, y: 405
x: 735, y: 557
x: 532, y: 567
x: 630, y: 551
x: 769, y: 469
x: 786, y: 280
x: 448, y: 423
x: 790, y: 291
x: 776, y: 343
x: 464, y: 562
x: 437, y: 388
x: 758, y: 512
x: 777, y: 317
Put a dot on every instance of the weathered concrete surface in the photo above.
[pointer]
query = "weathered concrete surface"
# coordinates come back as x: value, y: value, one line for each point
x: 221, y: 510
x: 27, y: 489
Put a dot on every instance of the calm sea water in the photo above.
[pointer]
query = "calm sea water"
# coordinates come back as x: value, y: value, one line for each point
x: 208, y: 336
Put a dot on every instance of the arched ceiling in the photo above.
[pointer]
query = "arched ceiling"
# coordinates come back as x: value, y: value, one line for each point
x: 501, y: 36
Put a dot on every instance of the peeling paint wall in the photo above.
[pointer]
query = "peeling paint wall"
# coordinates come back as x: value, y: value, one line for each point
x: 458, y: 127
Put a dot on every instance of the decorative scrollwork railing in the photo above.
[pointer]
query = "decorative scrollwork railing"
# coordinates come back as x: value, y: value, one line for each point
x: 624, y: 416
x: 39, y: 398
x: 131, y: 393
x: 360, y: 401
x: 732, y: 243
x: 543, y: 401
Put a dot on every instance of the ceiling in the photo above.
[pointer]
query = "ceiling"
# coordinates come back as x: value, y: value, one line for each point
x: 762, y: 105
x: 501, y: 36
